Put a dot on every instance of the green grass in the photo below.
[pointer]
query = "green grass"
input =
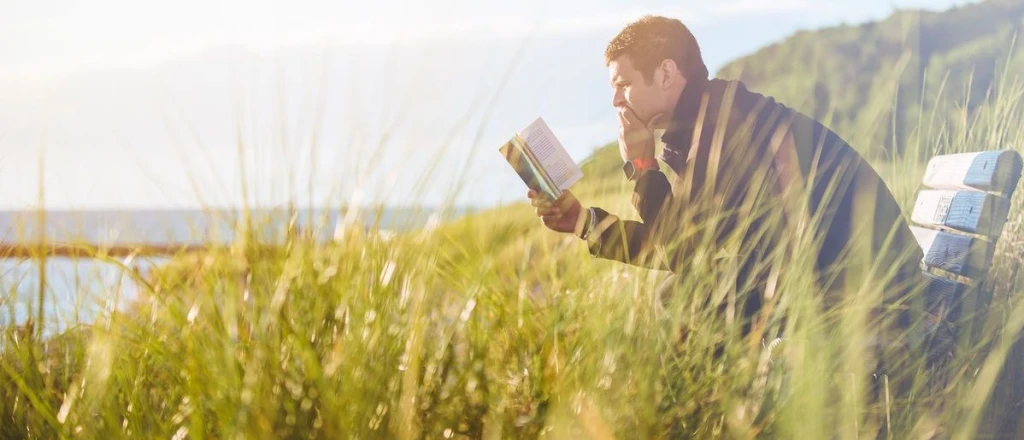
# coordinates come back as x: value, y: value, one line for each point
x: 493, y: 327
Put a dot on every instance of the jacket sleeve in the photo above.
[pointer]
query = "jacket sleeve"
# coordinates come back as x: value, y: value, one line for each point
x: 629, y: 241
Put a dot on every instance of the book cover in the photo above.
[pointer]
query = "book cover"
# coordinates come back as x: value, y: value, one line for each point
x: 528, y: 168
x: 539, y: 159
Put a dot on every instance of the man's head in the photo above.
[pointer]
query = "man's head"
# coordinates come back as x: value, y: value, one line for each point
x: 650, y: 61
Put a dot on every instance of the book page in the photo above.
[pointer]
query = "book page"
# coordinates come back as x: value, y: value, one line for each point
x: 551, y: 155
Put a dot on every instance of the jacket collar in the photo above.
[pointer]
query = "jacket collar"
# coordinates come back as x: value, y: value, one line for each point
x: 678, y: 134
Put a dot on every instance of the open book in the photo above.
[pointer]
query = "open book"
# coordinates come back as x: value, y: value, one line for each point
x: 540, y: 160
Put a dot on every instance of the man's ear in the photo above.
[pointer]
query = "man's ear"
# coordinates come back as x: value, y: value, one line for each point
x: 668, y: 70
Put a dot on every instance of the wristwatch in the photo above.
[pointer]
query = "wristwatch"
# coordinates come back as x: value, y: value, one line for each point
x: 633, y: 168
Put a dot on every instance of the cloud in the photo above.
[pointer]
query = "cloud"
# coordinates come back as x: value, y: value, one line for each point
x: 613, y: 21
x: 366, y: 32
x: 752, y: 7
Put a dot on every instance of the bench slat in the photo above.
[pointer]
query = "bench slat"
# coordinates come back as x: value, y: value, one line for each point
x: 996, y: 171
x: 967, y: 211
x: 943, y: 296
x: 960, y: 254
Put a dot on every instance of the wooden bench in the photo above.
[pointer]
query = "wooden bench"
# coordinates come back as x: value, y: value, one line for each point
x: 959, y: 215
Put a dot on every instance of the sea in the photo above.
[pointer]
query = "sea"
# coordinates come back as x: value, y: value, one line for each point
x: 77, y: 290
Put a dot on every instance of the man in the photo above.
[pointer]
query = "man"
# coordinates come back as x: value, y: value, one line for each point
x: 745, y: 174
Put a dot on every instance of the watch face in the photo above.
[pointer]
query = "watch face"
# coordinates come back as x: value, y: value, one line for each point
x: 629, y: 169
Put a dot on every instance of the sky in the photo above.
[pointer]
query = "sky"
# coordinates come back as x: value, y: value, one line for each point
x: 127, y: 104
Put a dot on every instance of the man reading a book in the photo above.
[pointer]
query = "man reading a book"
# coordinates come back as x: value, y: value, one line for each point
x: 747, y: 180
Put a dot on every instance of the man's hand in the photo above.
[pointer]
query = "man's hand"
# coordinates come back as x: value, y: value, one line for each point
x: 558, y: 215
x: 636, y: 139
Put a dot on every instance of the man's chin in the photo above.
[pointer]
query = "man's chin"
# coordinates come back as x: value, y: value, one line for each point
x: 661, y: 124
x: 657, y: 122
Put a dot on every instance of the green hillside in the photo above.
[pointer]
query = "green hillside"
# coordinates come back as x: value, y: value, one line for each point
x: 856, y: 76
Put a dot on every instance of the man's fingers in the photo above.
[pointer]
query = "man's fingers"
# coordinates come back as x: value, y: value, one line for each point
x: 536, y: 195
x: 549, y: 211
x: 565, y: 202
x: 632, y: 128
x: 552, y: 212
x: 551, y: 219
x: 630, y: 116
x: 632, y: 136
x: 541, y: 202
x: 624, y: 121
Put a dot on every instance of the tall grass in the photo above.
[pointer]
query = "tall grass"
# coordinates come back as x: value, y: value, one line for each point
x: 492, y: 327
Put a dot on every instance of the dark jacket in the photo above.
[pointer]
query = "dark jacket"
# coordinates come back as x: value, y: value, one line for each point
x: 744, y: 168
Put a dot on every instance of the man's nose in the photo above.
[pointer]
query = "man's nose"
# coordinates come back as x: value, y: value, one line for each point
x: 618, y: 100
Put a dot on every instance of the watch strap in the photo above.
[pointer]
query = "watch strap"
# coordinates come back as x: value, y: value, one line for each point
x: 634, y: 167
x: 588, y: 224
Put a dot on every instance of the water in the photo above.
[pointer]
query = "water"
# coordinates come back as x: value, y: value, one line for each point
x: 78, y: 289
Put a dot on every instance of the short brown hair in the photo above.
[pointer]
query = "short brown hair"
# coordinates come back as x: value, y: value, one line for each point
x: 651, y: 39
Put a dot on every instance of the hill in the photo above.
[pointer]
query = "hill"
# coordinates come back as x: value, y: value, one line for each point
x: 871, y: 81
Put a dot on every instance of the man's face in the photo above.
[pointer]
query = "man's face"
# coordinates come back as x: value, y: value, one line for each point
x: 633, y: 91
